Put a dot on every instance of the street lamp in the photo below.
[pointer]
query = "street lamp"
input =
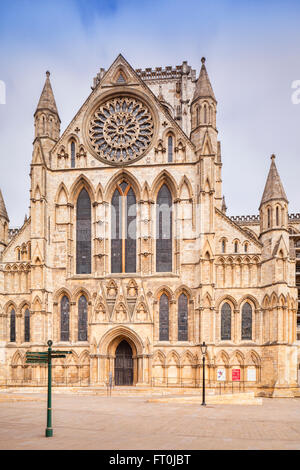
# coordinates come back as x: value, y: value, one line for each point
x: 203, y: 347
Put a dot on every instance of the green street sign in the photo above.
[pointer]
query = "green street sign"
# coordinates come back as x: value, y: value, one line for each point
x: 45, y: 357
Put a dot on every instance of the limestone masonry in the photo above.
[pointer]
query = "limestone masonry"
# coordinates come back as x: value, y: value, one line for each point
x: 128, y: 258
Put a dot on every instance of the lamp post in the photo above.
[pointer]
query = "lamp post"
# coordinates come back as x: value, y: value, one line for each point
x: 203, y: 347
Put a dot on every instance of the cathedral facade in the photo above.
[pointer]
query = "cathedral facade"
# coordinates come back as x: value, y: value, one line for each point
x: 128, y: 258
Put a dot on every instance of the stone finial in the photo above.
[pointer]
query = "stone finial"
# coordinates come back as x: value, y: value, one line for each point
x: 224, y: 207
x: 48, y: 74
x: 203, y: 60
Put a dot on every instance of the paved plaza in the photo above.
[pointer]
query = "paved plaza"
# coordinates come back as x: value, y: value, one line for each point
x: 123, y: 422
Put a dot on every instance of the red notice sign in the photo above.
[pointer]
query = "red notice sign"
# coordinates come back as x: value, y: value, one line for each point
x: 236, y: 374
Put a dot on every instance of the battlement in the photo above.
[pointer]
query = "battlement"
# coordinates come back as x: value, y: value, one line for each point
x: 245, y: 218
x: 12, y: 232
x: 241, y: 219
x: 168, y: 72
x: 294, y: 217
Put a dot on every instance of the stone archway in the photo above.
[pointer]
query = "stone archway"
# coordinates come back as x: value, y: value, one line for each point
x: 108, y: 353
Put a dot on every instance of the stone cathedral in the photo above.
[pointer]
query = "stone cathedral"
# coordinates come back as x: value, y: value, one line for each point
x: 128, y: 258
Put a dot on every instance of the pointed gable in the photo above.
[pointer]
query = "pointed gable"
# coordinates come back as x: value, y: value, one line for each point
x: 273, y: 188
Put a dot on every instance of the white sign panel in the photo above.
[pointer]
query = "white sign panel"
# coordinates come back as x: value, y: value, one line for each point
x: 251, y: 375
x: 221, y: 375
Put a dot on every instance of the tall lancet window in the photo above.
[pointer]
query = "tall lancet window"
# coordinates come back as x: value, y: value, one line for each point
x: 73, y: 153
x: 277, y: 216
x: 64, y: 318
x: 83, y: 229
x: 82, y: 318
x: 247, y: 321
x: 164, y: 230
x: 205, y: 114
x: 123, y: 229
x: 183, y: 318
x: 12, y: 326
x: 170, y: 149
x: 163, y: 318
x: 27, y: 326
x: 226, y: 322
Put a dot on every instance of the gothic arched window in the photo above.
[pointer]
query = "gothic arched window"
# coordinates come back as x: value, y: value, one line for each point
x: 235, y: 247
x: 205, y: 114
x: 83, y: 229
x: 163, y: 318
x: 247, y: 321
x: 197, y: 116
x: 183, y: 318
x: 164, y: 230
x: 64, y: 318
x: 277, y: 216
x: 12, y: 326
x: 170, y: 149
x: 123, y: 229
x: 269, y: 217
x: 82, y: 318
x: 225, y: 322
x: 27, y: 326
x: 223, y: 246
x: 73, y: 152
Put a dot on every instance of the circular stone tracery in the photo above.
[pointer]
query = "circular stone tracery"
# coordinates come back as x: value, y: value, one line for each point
x: 121, y: 130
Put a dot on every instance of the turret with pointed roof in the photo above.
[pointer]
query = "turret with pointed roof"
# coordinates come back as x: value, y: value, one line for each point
x: 274, y: 203
x: 47, y: 120
x: 273, y: 188
x: 203, y: 87
x: 3, y: 211
x: 4, y: 221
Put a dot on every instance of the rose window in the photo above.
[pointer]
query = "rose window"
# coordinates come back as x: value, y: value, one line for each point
x: 121, y: 130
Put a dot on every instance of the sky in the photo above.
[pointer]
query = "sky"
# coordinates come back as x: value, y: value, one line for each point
x: 252, y: 51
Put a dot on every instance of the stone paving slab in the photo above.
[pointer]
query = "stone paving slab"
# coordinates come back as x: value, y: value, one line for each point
x: 119, y: 423
x: 232, y: 399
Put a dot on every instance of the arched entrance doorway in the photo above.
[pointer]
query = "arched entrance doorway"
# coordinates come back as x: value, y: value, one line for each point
x: 123, y: 364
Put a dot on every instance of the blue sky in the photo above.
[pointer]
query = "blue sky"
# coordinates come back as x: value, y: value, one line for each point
x: 253, y: 56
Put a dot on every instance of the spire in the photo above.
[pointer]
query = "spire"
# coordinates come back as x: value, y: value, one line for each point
x: 273, y: 188
x: 47, y: 101
x: 203, y: 86
x: 3, y: 211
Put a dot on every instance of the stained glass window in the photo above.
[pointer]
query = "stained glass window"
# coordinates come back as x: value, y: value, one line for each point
x: 170, y: 149
x: 183, y: 318
x: 164, y: 318
x: 83, y: 242
x: 82, y: 318
x: 226, y: 322
x: 64, y: 318
x: 12, y: 326
x: 27, y: 326
x: 164, y: 230
x: 123, y: 229
x: 73, y: 149
x: 247, y: 321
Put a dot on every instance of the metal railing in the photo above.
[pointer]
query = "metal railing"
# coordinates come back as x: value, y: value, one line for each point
x: 42, y: 382
x: 219, y: 387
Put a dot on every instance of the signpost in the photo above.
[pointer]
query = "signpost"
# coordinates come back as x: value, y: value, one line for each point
x: 46, y: 358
